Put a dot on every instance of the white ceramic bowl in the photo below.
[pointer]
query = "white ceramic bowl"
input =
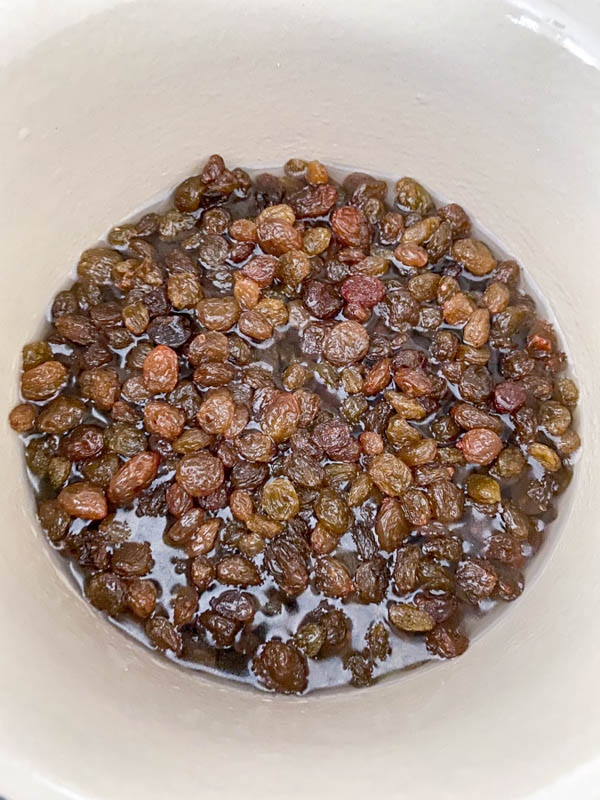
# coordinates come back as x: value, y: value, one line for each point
x: 496, y: 106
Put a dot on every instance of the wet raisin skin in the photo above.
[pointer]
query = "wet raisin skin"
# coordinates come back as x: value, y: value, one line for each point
x: 161, y: 369
x: 132, y: 559
x: 476, y: 578
x: 235, y: 605
x: 332, y: 578
x: 141, y: 597
x: 84, y: 442
x: 107, y: 592
x: 238, y: 571
x: 372, y: 580
x: 347, y: 342
x: 480, y: 445
x: 313, y: 201
x: 200, y: 474
x: 132, y: 477
x: 281, y: 667
x: 164, y: 635
x: 446, y: 642
x: 83, y: 500
x: 286, y: 561
x: 42, y: 381
x: 323, y: 300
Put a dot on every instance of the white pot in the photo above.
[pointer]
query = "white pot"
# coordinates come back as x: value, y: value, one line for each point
x: 495, y: 105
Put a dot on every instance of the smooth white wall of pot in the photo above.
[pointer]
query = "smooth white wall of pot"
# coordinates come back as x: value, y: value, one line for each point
x: 495, y: 106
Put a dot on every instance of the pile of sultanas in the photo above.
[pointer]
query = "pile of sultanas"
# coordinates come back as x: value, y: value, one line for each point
x: 289, y: 428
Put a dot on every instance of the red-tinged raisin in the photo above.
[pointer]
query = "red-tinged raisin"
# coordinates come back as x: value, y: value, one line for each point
x: 178, y: 500
x: 83, y: 500
x: 86, y: 441
x: 323, y: 300
x: 261, y: 269
x: 280, y: 417
x: 509, y: 396
x: 163, y: 420
x: 391, y: 525
x: 200, y: 474
x: 216, y: 414
x: 314, y: 201
x: 411, y: 255
x: 457, y: 309
x: 363, y: 290
x: 414, y: 382
x: 243, y: 230
x: 44, y: 380
x: 350, y: 226
x: 255, y: 325
x: 477, y: 330
x: 391, y: 228
x: 480, y: 446
x: 101, y: 386
x: 371, y: 443
x: 378, y: 377
x: 133, y: 476
x: 440, y: 607
x: 345, y: 343
x: 188, y: 523
x: 161, y: 370
x: 22, y: 418
x: 213, y: 374
x: 457, y: 217
x: 469, y: 417
x: 246, y: 291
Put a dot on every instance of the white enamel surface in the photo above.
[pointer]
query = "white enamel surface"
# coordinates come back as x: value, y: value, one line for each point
x: 494, y: 105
